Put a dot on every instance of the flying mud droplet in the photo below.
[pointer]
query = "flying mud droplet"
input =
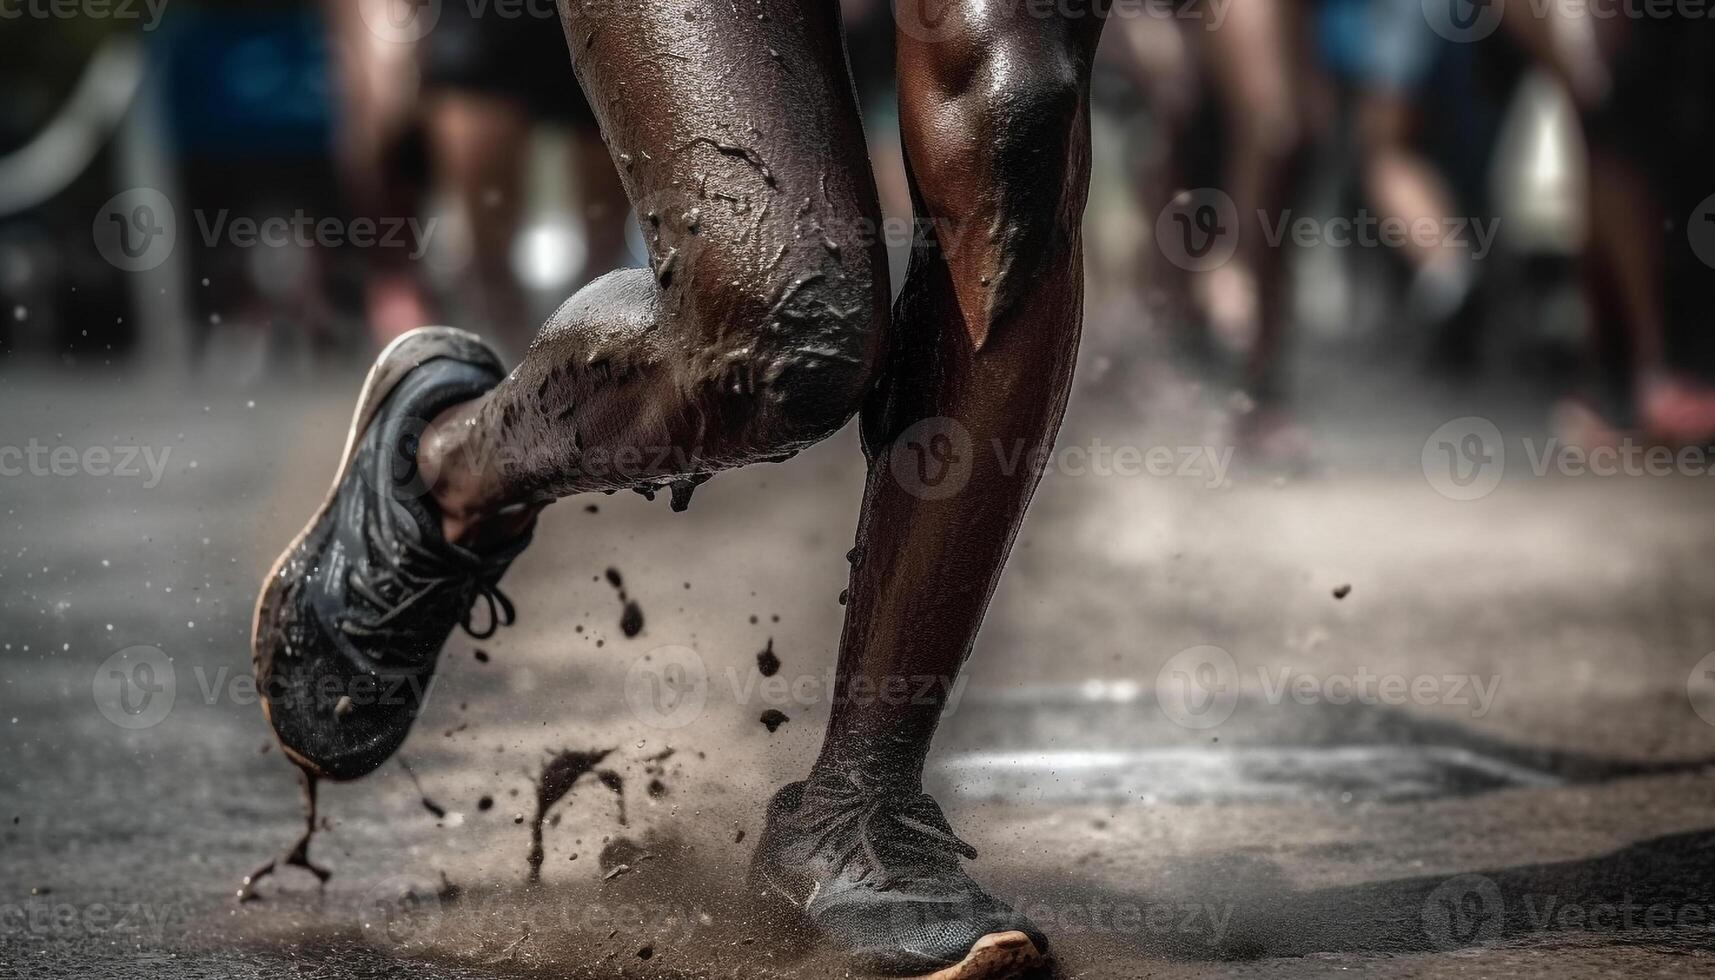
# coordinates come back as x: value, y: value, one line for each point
x: 615, y: 784
x: 435, y: 809
x: 1342, y: 591
x: 631, y: 620
x: 630, y: 614
x: 767, y: 663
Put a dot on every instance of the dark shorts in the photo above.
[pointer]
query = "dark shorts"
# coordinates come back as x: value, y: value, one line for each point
x: 522, y: 57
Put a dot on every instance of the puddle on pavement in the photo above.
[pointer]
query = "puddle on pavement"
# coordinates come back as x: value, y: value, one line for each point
x: 1111, y: 743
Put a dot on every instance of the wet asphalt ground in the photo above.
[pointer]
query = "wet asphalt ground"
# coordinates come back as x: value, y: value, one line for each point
x: 1176, y: 747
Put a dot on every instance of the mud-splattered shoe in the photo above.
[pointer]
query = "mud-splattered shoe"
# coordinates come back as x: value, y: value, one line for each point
x: 353, y: 615
x: 875, y: 872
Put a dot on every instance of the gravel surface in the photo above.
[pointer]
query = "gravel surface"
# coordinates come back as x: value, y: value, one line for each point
x: 1483, y: 760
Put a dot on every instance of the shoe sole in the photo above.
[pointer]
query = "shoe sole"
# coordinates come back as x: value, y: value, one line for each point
x: 406, y: 352
x: 997, y: 956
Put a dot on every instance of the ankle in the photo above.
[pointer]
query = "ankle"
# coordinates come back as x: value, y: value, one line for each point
x: 903, y: 773
x: 474, y: 510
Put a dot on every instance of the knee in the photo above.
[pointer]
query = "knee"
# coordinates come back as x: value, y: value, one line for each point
x: 1001, y: 111
x: 997, y: 141
x: 803, y: 330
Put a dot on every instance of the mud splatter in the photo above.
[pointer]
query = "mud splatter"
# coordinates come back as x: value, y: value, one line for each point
x: 631, y: 614
x: 616, y: 784
x: 558, y: 777
x: 481, y: 656
x: 297, y: 857
x: 773, y: 718
x: 631, y: 619
x: 621, y: 855
x: 767, y: 663
x: 1342, y: 591
x: 435, y: 809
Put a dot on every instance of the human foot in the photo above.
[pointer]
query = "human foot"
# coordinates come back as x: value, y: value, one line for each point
x: 875, y: 871
x: 353, y: 615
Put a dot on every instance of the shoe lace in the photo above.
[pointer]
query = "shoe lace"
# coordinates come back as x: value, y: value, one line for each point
x: 408, y: 574
x: 897, y: 834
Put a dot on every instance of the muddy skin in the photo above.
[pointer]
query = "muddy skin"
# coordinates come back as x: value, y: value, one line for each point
x: 558, y: 776
x: 299, y: 855
x: 760, y: 323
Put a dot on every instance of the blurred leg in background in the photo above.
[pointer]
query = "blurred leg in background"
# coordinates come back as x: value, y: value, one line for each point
x: 1399, y: 180
x: 1257, y: 62
x: 489, y: 83
x: 1625, y: 77
x: 376, y: 81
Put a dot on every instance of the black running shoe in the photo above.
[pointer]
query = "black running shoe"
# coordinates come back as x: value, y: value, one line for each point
x: 354, y: 614
x: 875, y: 871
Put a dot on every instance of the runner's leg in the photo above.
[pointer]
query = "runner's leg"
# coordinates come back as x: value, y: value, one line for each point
x: 994, y: 105
x: 758, y: 326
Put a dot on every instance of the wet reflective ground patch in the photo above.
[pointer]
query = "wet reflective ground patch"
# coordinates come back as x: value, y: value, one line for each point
x: 1112, y: 743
